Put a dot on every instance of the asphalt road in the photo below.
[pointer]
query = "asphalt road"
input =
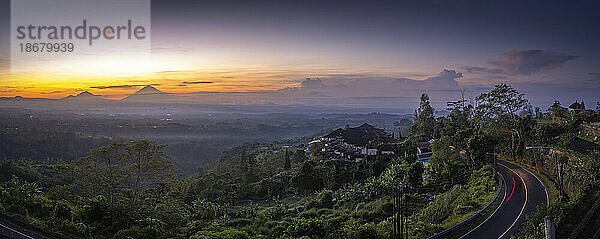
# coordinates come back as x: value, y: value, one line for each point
x: 524, y: 192
x: 12, y: 230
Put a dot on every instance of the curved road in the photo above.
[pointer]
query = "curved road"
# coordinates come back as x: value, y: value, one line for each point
x: 524, y: 192
x: 9, y: 229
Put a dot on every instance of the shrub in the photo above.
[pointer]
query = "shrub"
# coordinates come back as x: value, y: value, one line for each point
x: 364, y: 231
x: 239, y: 222
x: 326, y: 198
x: 195, y: 226
x: 384, y: 229
x: 62, y: 211
x: 203, y: 210
x: 307, y: 227
x: 312, y: 213
x: 136, y: 232
x: 306, y: 180
x: 226, y: 234
x: 424, y: 230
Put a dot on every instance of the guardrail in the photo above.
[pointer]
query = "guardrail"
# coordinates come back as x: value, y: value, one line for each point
x: 23, y: 226
x: 447, y: 230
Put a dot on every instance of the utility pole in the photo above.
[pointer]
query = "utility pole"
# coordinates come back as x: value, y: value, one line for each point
x: 494, y: 164
x: 400, y: 220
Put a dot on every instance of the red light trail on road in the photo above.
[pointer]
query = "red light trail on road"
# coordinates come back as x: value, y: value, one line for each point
x: 513, y: 189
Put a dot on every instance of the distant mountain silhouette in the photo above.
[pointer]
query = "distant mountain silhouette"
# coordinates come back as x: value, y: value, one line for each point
x: 148, y: 90
x: 21, y: 98
x: 86, y: 95
x: 150, y: 94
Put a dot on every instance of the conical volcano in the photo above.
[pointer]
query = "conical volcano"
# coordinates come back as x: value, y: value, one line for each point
x: 149, y: 94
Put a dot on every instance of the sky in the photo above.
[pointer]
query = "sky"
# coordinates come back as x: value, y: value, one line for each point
x: 546, y: 49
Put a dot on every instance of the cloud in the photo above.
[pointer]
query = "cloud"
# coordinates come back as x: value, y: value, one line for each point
x: 53, y: 92
x: 446, y: 78
x: 186, y: 83
x: 119, y: 86
x: 225, y: 92
x: 372, y: 86
x: 594, y: 77
x: 484, y: 70
x: 527, y: 62
x: 197, y: 82
x: 309, y: 83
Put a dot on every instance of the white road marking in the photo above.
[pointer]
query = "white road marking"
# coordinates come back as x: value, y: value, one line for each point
x: 15, y: 231
x: 524, y: 204
x: 545, y: 190
x: 488, y: 218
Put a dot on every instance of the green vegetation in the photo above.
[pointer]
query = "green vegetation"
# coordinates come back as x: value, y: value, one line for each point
x: 457, y: 204
x: 543, y: 121
x: 569, y: 170
x: 289, y: 189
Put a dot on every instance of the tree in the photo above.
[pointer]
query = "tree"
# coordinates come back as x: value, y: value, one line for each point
x: 503, y: 100
x: 121, y: 172
x: 459, y: 124
x: 298, y: 157
x: 502, y: 104
x: 104, y: 172
x: 394, y: 174
x: 479, y: 148
x: 445, y: 161
x: 287, y: 165
x: 149, y: 164
x: 248, y: 167
x: 305, y: 180
x: 424, y: 118
x: 538, y: 113
x: 415, y: 174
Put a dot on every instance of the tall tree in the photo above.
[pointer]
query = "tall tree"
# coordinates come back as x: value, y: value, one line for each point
x: 503, y: 100
x: 121, y: 172
x: 287, y: 165
x: 480, y: 147
x: 459, y: 124
x: 149, y: 164
x: 502, y: 105
x: 445, y: 161
x: 415, y: 174
x: 305, y: 180
x: 424, y: 118
x: 248, y: 167
x: 104, y: 172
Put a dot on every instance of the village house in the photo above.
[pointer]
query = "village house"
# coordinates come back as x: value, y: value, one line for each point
x: 424, y: 152
x: 350, y: 145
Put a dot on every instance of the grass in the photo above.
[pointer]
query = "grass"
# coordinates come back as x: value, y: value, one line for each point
x: 553, y: 192
x: 544, y: 121
x: 468, y: 226
x: 482, y: 200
